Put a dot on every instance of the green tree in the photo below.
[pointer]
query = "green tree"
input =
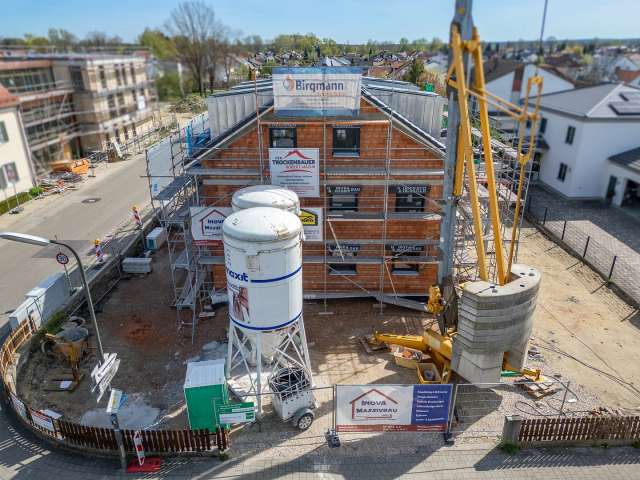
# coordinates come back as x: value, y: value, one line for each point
x: 267, y: 67
x: 436, y: 45
x: 161, y: 46
x: 415, y: 72
x: 62, y: 38
x: 168, y: 86
x: 34, y: 40
x: 404, y: 43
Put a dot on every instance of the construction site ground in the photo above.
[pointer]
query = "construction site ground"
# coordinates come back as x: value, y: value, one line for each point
x: 583, y: 334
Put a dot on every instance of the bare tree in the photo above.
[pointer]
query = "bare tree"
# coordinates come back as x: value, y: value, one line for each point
x: 194, y: 27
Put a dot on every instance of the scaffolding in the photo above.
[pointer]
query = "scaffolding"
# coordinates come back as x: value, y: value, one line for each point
x: 173, y: 193
x: 384, y: 167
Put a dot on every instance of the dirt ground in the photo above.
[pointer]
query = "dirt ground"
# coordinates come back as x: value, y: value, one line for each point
x: 584, y: 334
x: 579, y: 316
x: 137, y: 322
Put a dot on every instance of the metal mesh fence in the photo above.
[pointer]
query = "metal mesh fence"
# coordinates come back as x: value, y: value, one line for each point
x: 479, y: 409
x: 619, y: 271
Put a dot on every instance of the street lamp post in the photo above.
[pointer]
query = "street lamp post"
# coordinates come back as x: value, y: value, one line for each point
x: 43, y: 242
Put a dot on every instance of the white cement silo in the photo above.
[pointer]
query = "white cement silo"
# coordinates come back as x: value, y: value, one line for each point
x: 263, y: 260
x: 266, y: 196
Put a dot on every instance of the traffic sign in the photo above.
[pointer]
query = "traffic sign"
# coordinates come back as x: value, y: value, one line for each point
x: 62, y: 259
x: 103, y: 373
x: 236, y: 413
x: 116, y: 400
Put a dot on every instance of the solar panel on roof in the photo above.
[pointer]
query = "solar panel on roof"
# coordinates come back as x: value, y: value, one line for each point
x: 630, y: 96
x: 625, y: 108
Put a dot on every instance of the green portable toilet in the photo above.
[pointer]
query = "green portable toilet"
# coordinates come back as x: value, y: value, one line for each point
x: 205, y: 387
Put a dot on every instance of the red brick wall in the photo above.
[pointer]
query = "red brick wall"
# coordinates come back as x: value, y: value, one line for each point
x: 404, y: 153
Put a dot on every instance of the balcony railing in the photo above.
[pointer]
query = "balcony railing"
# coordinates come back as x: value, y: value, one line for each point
x: 39, y: 87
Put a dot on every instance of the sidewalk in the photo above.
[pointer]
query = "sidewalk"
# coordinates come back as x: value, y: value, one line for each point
x: 22, y: 456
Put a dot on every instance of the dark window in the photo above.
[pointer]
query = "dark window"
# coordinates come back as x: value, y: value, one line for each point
x: 126, y: 134
x: 4, y: 138
x: 118, y: 77
x: 346, y: 141
x: 404, y: 266
x: 571, y: 132
x: 343, y: 202
x: 76, y: 78
x: 133, y: 73
x: 111, y: 100
x: 124, y: 73
x: 528, y: 123
x: 562, y: 172
x: 103, y: 77
x: 282, y: 138
x: 409, y: 202
x: 535, y: 165
x: 543, y: 125
x: 342, y: 268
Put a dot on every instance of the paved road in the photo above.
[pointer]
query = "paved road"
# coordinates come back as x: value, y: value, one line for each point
x: 118, y: 186
x: 23, y: 456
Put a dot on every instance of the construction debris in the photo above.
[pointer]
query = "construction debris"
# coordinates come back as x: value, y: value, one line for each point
x: 189, y: 104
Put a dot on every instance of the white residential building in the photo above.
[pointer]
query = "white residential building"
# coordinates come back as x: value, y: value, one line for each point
x: 16, y: 169
x: 508, y: 80
x: 592, y: 136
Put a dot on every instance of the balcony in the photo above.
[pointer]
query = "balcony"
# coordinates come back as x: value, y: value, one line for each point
x: 37, y: 91
x: 45, y: 113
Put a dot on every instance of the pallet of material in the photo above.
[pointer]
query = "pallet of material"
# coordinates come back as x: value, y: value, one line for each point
x: 537, y: 390
x: 136, y: 265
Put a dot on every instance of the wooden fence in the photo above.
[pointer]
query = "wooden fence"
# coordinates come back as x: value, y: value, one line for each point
x: 85, y: 437
x: 579, y: 429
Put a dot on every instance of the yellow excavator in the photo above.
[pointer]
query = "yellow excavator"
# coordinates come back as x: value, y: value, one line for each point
x: 466, y: 94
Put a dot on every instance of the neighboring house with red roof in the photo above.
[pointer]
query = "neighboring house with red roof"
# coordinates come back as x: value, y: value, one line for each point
x: 16, y: 168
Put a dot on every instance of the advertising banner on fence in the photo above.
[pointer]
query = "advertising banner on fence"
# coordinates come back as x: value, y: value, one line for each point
x: 18, y: 406
x: 206, y: 224
x: 296, y: 169
x: 311, y: 219
x: 324, y: 91
x: 42, y: 420
x: 388, y: 408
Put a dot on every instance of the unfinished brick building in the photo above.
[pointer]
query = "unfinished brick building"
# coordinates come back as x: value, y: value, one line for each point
x: 376, y: 219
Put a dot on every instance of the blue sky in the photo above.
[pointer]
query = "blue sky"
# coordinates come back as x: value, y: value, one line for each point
x: 352, y: 21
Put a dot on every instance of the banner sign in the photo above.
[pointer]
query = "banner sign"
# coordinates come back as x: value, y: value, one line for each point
x: 233, y: 413
x: 419, y: 189
x: 323, y: 91
x: 18, y: 406
x: 296, y: 169
x: 402, y: 248
x: 311, y: 218
x: 206, y: 224
x: 338, y: 189
x: 389, y: 408
x: 344, y: 247
x: 42, y: 420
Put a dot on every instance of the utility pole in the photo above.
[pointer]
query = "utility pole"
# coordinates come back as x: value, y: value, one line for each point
x: 462, y: 18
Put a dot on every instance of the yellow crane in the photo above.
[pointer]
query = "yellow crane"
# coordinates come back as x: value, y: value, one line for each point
x: 462, y: 90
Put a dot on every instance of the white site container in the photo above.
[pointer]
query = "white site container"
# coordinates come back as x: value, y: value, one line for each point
x: 263, y: 259
x: 156, y: 238
x: 266, y: 196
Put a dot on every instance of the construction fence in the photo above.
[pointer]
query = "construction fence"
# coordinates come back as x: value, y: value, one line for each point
x: 476, y: 412
x: 614, y: 269
x: 85, y: 437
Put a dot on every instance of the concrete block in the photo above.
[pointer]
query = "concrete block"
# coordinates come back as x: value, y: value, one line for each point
x: 494, y: 319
